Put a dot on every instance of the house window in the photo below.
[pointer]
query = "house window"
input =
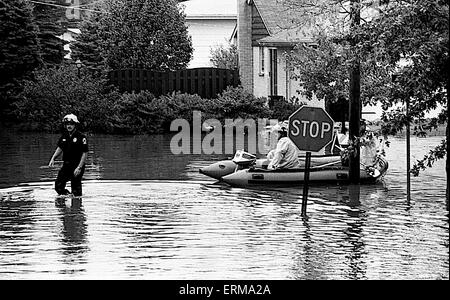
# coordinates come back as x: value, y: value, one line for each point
x: 273, y: 72
x: 261, y: 61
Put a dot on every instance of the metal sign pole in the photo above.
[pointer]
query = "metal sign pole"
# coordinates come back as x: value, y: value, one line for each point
x: 306, y: 183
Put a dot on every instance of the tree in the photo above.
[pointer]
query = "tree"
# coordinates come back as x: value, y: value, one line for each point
x: 87, y: 46
x: 19, y: 47
x: 410, y: 40
x: 321, y: 68
x: 147, y: 34
x: 56, y: 90
x: 225, y: 57
x: 51, y: 24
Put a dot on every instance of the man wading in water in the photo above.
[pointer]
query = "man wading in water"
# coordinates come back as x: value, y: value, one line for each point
x: 74, y: 147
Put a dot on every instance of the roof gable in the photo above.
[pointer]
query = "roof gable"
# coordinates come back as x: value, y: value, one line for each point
x: 275, y: 15
x: 281, y: 23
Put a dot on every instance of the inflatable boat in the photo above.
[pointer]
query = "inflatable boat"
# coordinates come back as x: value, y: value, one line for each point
x: 244, y: 160
x: 245, y: 170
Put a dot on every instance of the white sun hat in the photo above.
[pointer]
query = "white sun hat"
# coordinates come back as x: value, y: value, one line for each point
x: 281, y: 126
x: 70, y: 118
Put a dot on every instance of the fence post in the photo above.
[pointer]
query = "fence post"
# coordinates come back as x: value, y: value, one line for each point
x: 214, y: 83
x: 208, y: 84
x: 184, y: 75
x: 170, y: 85
x: 141, y: 80
x: 164, y: 81
x: 178, y: 81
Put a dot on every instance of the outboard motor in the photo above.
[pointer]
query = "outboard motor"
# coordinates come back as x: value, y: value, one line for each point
x: 243, y: 159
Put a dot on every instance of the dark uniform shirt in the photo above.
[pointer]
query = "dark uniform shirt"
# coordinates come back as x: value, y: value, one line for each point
x: 73, y: 146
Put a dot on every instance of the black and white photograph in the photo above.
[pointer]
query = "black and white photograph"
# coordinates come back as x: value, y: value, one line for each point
x: 224, y: 148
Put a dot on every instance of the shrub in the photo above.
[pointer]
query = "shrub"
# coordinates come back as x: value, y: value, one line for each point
x: 138, y: 113
x: 225, y: 57
x: 235, y: 103
x: 57, y: 91
x: 182, y: 106
x: 282, y: 109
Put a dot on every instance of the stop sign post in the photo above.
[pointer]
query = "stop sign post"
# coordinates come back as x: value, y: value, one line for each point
x: 310, y: 129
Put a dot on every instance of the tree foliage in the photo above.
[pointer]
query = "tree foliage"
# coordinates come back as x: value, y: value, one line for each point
x: 321, y: 68
x: 87, y: 45
x: 56, y: 91
x: 225, y: 57
x: 147, y: 34
x: 403, y: 49
x: 410, y: 41
x: 19, y: 46
x: 52, y: 24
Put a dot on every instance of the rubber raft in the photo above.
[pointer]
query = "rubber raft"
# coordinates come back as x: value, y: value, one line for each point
x: 323, y: 169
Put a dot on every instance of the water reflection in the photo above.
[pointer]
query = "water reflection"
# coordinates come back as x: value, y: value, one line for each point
x: 354, y: 234
x: 341, y: 236
x: 16, y: 213
x: 73, y: 233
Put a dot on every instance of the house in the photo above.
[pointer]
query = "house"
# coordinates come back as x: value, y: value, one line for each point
x: 210, y: 24
x: 265, y: 31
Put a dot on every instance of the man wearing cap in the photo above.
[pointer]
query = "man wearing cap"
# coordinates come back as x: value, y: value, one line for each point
x: 74, y: 147
x: 285, y: 156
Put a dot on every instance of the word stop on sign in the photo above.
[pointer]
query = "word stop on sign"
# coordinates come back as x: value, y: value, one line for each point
x: 313, y: 129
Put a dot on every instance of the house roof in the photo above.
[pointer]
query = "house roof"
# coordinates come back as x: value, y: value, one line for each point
x: 285, y: 38
x: 275, y: 15
x: 283, y: 30
x: 208, y: 9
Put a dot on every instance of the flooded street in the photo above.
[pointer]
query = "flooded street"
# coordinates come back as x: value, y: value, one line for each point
x: 149, y: 214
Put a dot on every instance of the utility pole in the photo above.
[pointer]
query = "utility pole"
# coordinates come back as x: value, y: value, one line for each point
x: 355, y: 97
x: 447, y: 133
x: 408, y: 154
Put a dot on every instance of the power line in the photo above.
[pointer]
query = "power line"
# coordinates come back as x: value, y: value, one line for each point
x: 67, y: 7
x: 87, y: 4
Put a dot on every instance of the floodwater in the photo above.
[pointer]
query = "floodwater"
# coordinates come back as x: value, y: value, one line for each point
x: 149, y: 214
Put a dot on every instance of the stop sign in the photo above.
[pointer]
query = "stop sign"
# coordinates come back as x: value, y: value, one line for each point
x: 310, y: 128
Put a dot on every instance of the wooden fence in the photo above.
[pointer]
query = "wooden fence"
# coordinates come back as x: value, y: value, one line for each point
x: 205, y: 82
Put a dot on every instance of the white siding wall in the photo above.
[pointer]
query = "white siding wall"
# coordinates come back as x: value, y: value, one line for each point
x: 207, y: 34
x: 261, y: 81
x: 286, y: 87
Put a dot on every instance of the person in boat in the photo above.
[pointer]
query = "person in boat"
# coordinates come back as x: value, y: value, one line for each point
x: 74, y: 147
x: 286, y: 153
x: 369, y: 147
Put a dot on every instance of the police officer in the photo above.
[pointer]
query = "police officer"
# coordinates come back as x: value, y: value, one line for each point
x: 74, y: 147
